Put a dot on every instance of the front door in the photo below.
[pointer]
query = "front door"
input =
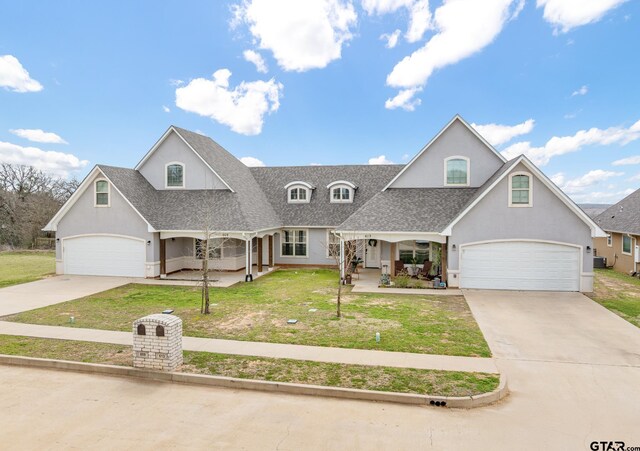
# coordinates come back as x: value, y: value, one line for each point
x: 372, y: 257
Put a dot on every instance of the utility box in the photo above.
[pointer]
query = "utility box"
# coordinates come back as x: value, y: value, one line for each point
x: 157, y: 342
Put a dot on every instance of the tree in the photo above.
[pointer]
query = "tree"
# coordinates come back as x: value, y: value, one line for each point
x: 344, y: 249
x: 208, y: 248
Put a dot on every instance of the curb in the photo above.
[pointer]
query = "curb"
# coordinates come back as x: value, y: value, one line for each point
x: 464, y: 402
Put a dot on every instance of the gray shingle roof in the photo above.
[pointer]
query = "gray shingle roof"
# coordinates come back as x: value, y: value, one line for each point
x: 369, y: 180
x: 623, y: 216
x: 410, y: 210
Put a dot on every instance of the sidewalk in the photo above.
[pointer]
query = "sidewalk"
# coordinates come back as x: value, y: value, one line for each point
x: 275, y: 350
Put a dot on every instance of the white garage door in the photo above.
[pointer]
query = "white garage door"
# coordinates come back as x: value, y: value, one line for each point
x: 520, y: 265
x: 104, y: 256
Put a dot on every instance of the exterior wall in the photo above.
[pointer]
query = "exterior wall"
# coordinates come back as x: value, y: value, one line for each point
x: 196, y: 174
x: 428, y: 170
x: 316, y: 250
x: 548, y: 219
x: 85, y: 219
x: 621, y: 262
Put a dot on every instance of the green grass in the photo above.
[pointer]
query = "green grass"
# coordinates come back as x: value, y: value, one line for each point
x: 25, y: 266
x: 259, y: 311
x: 618, y: 292
x: 402, y: 380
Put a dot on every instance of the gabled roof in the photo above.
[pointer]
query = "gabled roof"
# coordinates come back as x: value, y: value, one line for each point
x: 320, y: 211
x: 501, y: 173
x: 459, y: 118
x: 409, y: 210
x: 623, y: 217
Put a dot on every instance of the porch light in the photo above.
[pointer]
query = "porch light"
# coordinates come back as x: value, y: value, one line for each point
x: 588, y: 249
x: 149, y: 243
x: 453, y: 247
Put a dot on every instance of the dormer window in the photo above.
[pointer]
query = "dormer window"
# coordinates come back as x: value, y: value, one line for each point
x: 341, y: 191
x: 102, y: 193
x: 456, y: 171
x: 298, y: 192
x: 174, y: 175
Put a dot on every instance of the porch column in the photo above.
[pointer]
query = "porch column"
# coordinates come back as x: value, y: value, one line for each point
x: 270, y: 251
x: 392, y: 258
x: 163, y: 258
x: 259, y: 254
x: 247, y: 258
x: 443, y: 259
x: 342, y: 260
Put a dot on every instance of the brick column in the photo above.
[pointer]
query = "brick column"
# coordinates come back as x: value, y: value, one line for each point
x: 163, y: 258
x: 259, y: 254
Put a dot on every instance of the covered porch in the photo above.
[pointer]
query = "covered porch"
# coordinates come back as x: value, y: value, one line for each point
x: 182, y: 254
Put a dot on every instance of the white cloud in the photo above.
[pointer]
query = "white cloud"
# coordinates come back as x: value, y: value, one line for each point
x: 166, y: 109
x: 567, y: 14
x: 391, y: 38
x: 565, y: 144
x: 176, y: 82
x: 252, y: 162
x: 580, y: 92
x: 601, y: 196
x: 302, y: 35
x: 14, y: 77
x: 242, y: 108
x: 464, y: 27
x: 315, y: 164
x: 419, y: 14
x: 55, y: 163
x: 380, y: 160
x: 629, y: 160
x: 406, y: 156
x: 498, y: 134
x: 39, y: 136
x: 257, y: 59
x: 580, y: 184
x: 404, y: 99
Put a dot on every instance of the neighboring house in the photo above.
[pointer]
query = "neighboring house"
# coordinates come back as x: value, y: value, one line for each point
x: 593, y: 210
x: 485, y: 222
x: 621, y: 222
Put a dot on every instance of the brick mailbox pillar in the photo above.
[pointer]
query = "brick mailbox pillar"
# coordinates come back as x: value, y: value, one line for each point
x: 157, y: 342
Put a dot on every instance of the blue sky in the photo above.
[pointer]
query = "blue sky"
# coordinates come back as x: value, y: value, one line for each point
x: 99, y: 82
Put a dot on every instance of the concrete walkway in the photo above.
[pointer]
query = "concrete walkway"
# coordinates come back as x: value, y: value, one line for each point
x: 259, y: 349
x: 367, y: 280
x: 53, y: 290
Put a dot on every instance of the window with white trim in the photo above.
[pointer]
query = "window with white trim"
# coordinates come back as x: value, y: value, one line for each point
x: 520, y: 189
x: 294, y: 243
x: 102, y: 193
x: 215, y: 248
x: 333, y: 245
x: 341, y: 193
x: 456, y: 171
x: 626, y: 244
x: 175, y: 175
x: 299, y: 194
x: 609, y: 240
x: 410, y: 251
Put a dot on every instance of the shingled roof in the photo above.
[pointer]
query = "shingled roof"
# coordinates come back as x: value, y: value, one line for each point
x: 622, y: 217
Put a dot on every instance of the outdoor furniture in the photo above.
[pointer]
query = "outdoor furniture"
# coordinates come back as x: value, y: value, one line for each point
x: 398, y: 267
x: 424, y: 271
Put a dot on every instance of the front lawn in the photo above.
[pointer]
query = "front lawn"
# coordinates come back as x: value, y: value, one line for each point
x: 259, y: 311
x: 618, y: 292
x: 25, y: 266
x: 402, y: 380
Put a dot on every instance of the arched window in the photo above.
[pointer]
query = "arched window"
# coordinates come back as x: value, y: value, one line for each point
x: 159, y: 331
x: 175, y: 175
x: 520, y: 190
x: 456, y: 171
x: 142, y: 330
x: 298, y: 192
x: 341, y: 191
x: 102, y: 191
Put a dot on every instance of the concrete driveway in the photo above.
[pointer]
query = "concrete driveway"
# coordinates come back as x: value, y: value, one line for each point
x: 53, y: 290
x: 572, y: 368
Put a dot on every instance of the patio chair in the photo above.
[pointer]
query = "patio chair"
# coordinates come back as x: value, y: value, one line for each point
x: 423, y: 273
x: 398, y: 267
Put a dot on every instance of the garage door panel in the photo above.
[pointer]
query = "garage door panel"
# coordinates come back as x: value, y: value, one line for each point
x: 104, y: 256
x: 520, y: 265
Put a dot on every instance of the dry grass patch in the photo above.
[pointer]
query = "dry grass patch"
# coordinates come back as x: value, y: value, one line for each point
x: 619, y: 293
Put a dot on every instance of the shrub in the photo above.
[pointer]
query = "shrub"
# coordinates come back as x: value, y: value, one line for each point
x: 402, y: 280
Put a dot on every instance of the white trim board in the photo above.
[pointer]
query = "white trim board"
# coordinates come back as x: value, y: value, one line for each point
x: 596, y: 231
x: 162, y: 139
x: 435, y: 138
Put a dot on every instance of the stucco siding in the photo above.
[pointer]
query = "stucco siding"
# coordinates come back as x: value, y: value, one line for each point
x: 316, y: 250
x: 548, y: 219
x: 84, y: 218
x: 620, y: 261
x: 428, y: 171
x: 173, y: 149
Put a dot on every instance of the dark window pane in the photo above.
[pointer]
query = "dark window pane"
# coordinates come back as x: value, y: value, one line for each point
x: 102, y: 199
x: 174, y: 175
